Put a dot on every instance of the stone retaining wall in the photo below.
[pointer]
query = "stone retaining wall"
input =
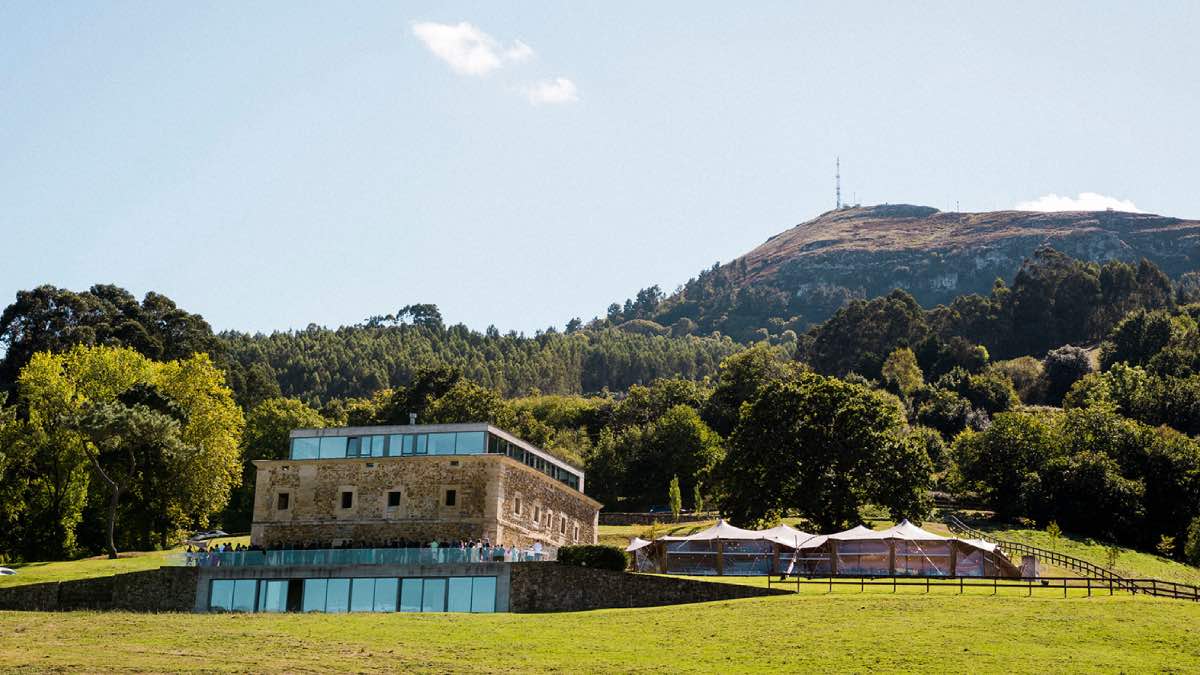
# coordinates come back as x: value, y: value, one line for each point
x: 167, y: 589
x: 554, y: 587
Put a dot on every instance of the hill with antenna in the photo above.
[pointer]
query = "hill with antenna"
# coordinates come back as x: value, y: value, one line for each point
x: 802, y: 275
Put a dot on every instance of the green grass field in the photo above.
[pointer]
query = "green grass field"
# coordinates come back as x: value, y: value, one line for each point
x: 844, y: 632
x: 98, y: 566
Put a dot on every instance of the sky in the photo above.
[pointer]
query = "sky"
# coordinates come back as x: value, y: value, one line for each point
x: 275, y: 164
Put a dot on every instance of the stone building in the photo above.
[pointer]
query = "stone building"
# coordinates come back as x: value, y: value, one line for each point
x: 418, y: 483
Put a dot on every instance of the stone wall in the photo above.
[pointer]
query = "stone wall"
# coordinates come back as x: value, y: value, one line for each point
x: 553, y: 587
x: 167, y: 589
x: 487, y: 492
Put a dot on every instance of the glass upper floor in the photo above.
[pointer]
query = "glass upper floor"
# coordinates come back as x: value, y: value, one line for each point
x: 423, y: 441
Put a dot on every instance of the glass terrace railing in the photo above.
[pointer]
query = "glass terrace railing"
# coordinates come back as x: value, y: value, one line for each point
x: 358, y: 556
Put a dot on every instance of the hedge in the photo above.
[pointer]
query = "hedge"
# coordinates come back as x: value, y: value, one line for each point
x: 595, y: 556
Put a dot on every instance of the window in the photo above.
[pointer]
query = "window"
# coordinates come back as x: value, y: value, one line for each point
x: 562, y: 525
x: 393, y: 499
x: 354, y: 446
x: 517, y: 506
x: 333, y: 447
x: 441, y: 444
x: 433, y: 599
x: 537, y: 515
x: 282, y: 501
x: 362, y: 595
x: 469, y: 443
x: 337, y: 598
x: 576, y: 533
x: 306, y: 448
x: 272, y: 596
x: 347, y: 499
x: 422, y: 444
x: 459, y: 596
x: 451, y: 497
x: 410, y: 595
x: 314, y: 595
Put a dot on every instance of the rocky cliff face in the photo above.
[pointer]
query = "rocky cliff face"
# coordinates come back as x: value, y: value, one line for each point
x: 937, y: 256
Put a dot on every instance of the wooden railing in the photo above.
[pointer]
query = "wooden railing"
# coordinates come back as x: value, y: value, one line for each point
x: 1154, y: 587
x: 1079, y: 585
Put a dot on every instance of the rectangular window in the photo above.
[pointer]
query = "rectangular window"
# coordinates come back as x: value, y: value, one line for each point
x: 273, y: 596
x: 395, y: 445
x: 337, y: 597
x: 562, y: 525
x: 537, y: 515
x: 220, y: 594
x: 451, y: 497
x: 314, y: 595
x: 354, y: 446
x: 347, y: 499
x: 393, y: 499
x: 306, y: 448
x: 410, y: 595
x: 333, y: 447
x: 576, y: 533
x: 517, y: 506
x: 483, y: 594
x: 362, y: 595
x: 385, y: 594
x: 458, y: 599
x: 433, y: 598
x: 469, y: 443
x: 420, y: 443
x: 244, y: 591
x: 283, y: 501
x: 441, y: 444
x: 378, y: 445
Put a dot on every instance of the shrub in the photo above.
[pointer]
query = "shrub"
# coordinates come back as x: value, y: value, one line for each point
x: 594, y: 556
x: 1191, y: 548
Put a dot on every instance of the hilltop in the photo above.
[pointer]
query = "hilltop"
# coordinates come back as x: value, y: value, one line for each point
x: 802, y: 275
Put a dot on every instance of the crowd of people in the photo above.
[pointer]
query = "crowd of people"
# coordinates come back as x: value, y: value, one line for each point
x: 474, y: 550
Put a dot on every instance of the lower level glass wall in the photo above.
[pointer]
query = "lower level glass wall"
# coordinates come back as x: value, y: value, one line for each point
x: 359, y: 594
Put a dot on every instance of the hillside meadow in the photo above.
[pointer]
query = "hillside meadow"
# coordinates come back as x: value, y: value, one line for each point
x: 844, y: 632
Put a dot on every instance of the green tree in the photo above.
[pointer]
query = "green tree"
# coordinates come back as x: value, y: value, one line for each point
x: 901, y: 373
x: 675, y: 498
x: 823, y: 448
x: 739, y: 379
x: 1004, y: 462
x: 698, y: 497
x: 1191, y: 547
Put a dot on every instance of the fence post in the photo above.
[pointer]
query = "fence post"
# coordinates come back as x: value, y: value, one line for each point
x: 1089, y: 585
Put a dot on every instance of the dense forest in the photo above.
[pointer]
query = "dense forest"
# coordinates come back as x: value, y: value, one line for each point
x: 1070, y: 395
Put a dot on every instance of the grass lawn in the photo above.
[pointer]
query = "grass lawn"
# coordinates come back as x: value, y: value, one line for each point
x: 1130, y: 563
x: 842, y: 632
x: 98, y: 566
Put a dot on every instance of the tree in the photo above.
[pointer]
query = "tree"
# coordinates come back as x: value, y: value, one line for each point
x: 1191, y: 548
x: 1062, y: 367
x: 901, y: 373
x: 739, y: 378
x: 675, y: 498
x: 89, y: 416
x: 822, y: 448
x: 267, y: 436
x: 1004, y: 462
x: 697, y: 498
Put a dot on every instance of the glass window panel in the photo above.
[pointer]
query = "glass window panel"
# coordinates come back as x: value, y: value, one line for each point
x: 377, y: 445
x: 314, y: 595
x: 410, y: 595
x: 362, y: 595
x: 244, y: 591
x: 337, y: 597
x: 441, y: 444
x: 395, y: 443
x: 385, y: 594
x: 459, y: 597
x: 306, y: 448
x: 221, y: 594
x: 433, y: 599
x: 469, y: 443
x: 353, y: 447
x: 420, y: 441
x: 483, y: 594
x: 333, y: 447
x: 274, y: 596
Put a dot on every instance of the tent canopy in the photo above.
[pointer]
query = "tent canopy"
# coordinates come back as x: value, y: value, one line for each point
x: 787, y: 536
x: 723, y: 530
x: 637, y: 543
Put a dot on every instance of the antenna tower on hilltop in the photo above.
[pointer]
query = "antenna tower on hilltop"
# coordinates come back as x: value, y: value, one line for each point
x: 837, y: 177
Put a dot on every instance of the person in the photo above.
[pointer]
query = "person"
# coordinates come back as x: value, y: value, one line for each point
x: 537, y: 550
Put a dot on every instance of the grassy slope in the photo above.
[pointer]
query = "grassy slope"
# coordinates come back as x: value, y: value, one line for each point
x: 1130, y: 563
x: 845, y: 631
x: 99, y: 566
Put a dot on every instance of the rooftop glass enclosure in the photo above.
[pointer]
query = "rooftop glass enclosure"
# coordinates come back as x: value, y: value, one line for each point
x: 419, y: 441
x: 361, y: 556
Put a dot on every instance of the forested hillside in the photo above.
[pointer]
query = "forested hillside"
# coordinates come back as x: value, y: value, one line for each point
x: 802, y: 275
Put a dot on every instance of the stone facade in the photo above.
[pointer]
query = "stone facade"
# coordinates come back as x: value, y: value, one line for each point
x: 443, y: 497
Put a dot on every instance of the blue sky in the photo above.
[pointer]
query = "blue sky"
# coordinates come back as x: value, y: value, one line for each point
x: 270, y: 165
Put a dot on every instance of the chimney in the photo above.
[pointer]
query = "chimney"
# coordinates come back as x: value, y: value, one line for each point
x: 412, y: 418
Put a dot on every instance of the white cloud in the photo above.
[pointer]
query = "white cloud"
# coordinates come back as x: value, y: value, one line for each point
x: 1086, y: 201
x: 467, y: 49
x: 552, y: 92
